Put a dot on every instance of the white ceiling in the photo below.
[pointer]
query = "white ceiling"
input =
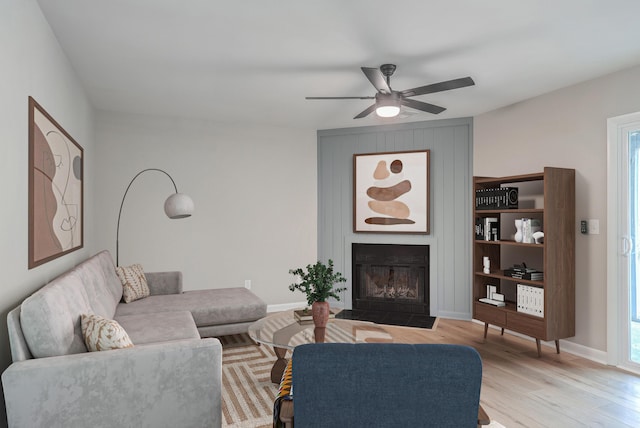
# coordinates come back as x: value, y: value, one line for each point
x: 254, y: 61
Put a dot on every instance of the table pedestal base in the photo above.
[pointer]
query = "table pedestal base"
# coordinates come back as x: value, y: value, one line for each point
x: 279, y: 366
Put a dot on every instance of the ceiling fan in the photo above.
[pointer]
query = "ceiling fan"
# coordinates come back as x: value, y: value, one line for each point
x: 388, y: 101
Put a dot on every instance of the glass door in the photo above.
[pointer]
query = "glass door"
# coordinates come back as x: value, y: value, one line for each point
x: 623, y: 242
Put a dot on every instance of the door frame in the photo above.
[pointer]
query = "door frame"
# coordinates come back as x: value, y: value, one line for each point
x: 617, y: 319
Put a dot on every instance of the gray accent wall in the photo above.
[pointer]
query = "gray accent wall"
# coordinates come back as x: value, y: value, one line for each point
x: 451, y: 157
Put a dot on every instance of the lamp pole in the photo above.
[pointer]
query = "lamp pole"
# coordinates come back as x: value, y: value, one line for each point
x: 177, y: 205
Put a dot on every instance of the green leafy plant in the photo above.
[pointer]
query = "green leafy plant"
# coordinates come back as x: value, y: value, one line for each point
x: 317, y: 282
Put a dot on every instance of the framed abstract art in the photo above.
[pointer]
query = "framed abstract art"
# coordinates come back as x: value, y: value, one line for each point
x: 55, y: 189
x: 391, y: 192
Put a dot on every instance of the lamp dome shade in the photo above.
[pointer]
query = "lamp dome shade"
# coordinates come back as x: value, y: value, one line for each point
x: 178, y: 205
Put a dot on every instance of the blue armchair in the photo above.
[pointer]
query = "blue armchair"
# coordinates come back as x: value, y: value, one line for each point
x: 383, y: 385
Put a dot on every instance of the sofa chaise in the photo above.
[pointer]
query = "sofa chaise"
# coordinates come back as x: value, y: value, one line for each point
x: 170, y: 377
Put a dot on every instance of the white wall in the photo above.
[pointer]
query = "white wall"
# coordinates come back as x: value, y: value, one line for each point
x: 254, y: 189
x: 566, y: 128
x: 33, y: 64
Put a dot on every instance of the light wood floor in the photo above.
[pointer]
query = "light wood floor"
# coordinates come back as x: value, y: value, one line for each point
x: 521, y: 390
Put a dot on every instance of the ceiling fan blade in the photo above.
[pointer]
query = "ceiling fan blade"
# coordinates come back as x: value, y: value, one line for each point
x: 366, y: 112
x: 439, y: 87
x: 377, y: 79
x: 419, y: 105
x: 339, y: 98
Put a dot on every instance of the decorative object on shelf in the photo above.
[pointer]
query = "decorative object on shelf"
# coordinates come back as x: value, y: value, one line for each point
x: 518, y: 235
x: 391, y: 192
x: 177, y: 205
x: 317, y: 283
x: 526, y: 228
x: 56, y: 188
x: 486, y: 265
x: 538, y: 237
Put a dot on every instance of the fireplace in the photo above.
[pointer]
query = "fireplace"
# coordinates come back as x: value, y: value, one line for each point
x: 391, y: 280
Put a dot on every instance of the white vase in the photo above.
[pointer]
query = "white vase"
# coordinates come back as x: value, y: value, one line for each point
x: 518, y: 235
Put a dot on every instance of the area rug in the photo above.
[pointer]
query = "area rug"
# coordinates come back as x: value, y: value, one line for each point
x: 247, y: 391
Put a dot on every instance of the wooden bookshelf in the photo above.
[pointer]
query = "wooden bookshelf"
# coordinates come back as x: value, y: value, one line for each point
x: 548, y: 196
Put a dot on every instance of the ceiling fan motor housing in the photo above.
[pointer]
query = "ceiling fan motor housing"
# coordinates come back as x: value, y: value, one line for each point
x: 388, y: 99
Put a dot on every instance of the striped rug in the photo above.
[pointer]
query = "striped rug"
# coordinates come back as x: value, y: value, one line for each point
x: 247, y: 391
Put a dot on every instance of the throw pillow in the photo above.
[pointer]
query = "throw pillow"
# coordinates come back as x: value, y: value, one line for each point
x: 134, y: 283
x: 101, y: 334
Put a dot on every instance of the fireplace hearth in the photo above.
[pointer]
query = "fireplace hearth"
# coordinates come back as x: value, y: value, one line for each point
x: 390, y: 284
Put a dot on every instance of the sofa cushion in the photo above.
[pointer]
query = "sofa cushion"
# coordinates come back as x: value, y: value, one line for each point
x: 101, y: 334
x: 159, y: 327
x: 50, y: 318
x: 208, y: 307
x: 134, y: 283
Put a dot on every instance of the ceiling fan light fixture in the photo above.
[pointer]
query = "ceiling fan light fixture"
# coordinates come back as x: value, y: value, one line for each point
x: 387, y: 105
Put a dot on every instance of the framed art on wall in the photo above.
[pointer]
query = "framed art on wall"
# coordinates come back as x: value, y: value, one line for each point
x: 55, y: 189
x: 391, y: 192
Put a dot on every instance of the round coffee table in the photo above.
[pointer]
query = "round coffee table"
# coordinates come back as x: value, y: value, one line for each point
x: 283, y: 332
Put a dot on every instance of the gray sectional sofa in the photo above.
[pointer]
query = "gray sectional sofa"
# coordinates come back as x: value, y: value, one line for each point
x: 170, y: 378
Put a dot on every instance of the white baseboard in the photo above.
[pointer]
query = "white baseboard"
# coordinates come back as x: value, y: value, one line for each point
x: 286, y: 306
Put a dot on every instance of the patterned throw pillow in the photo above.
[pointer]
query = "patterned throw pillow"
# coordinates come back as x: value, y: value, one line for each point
x: 134, y: 283
x: 101, y: 334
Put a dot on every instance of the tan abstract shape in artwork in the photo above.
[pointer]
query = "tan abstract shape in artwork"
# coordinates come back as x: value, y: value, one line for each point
x: 389, y: 193
x: 381, y: 171
x: 392, y: 208
x: 45, y: 204
x: 386, y: 221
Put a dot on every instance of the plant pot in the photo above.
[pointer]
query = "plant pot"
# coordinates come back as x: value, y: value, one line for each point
x: 320, y: 314
x: 319, y: 333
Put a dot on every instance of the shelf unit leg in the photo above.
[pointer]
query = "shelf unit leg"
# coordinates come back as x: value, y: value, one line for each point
x: 557, y: 346
x: 539, y: 348
x: 486, y: 328
x: 502, y: 331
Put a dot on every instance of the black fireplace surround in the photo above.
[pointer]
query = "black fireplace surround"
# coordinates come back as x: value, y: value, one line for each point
x: 390, y: 284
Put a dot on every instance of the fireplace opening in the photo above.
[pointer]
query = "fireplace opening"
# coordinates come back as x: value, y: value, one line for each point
x: 390, y: 284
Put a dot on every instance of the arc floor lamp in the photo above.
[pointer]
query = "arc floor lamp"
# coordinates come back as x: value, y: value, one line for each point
x: 177, y: 205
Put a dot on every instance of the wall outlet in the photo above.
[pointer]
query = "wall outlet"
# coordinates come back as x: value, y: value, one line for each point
x: 583, y: 227
x: 247, y: 284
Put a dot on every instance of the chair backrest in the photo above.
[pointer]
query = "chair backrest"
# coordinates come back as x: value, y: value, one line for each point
x: 386, y: 384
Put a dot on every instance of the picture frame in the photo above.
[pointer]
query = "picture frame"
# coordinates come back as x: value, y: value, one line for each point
x: 56, y: 189
x: 391, y: 192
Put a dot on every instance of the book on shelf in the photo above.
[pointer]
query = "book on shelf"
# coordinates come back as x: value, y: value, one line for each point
x: 479, y: 229
x: 497, y: 198
x: 530, y: 300
x: 492, y: 302
x: 487, y: 229
x: 523, y: 272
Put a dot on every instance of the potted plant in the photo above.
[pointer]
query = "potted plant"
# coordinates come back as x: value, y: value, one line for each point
x: 317, y: 282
